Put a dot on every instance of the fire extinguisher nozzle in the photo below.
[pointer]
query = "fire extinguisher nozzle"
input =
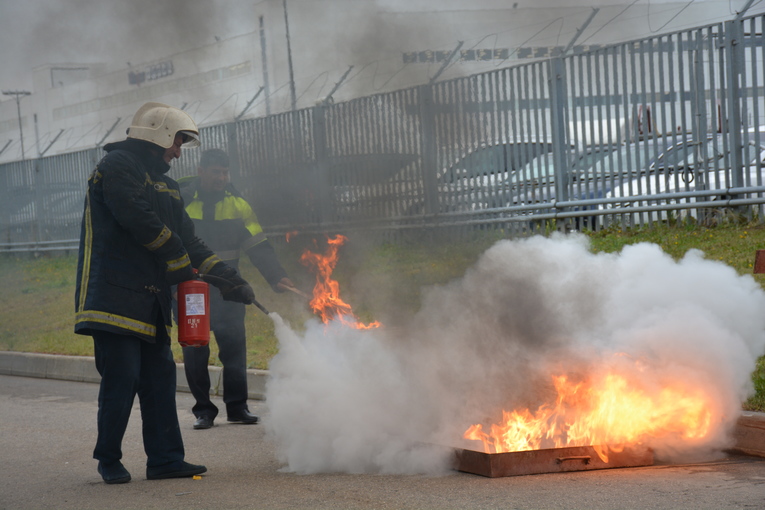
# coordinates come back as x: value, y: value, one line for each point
x: 261, y: 307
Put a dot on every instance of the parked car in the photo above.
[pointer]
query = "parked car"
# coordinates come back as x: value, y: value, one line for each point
x: 686, y: 167
x: 480, y: 178
x: 56, y: 210
x: 586, y: 178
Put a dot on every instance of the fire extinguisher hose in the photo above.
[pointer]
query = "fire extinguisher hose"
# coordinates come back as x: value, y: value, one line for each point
x: 208, y: 277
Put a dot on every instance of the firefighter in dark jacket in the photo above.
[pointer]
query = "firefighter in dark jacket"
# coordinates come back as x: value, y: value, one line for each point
x: 225, y: 222
x: 136, y: 241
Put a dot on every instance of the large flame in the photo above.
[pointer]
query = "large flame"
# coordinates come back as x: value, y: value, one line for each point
x: 607, y: 412
x: 326, y: 302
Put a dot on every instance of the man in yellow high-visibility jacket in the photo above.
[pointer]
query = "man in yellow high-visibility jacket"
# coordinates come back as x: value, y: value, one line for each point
x: 227, y: 224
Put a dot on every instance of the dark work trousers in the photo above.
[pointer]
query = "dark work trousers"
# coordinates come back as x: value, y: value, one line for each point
x: 130, y: 366
x: 227, y: 323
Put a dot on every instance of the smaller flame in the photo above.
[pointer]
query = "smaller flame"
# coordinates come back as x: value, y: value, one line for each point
x: 289, y: 235
x: 326, y: 302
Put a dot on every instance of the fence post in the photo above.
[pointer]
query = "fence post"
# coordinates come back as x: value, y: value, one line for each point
x: 734, y: 69
x: 558, y: 107
x: 428, y: 147
x: 38, y: 181
x: 235, y: 167
x: 321, y: 167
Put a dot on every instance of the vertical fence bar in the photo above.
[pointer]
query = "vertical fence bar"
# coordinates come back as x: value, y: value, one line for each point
x: 734, y: 68
x: 558, y: 106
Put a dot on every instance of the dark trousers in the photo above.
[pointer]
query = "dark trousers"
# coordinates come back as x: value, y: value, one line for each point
x: 227, y: 323
x: 130, y: 366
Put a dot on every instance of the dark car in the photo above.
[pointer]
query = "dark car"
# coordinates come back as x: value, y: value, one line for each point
x: 478, y: 179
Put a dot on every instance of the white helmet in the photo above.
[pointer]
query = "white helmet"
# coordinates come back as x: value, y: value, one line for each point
x: 159, y: 123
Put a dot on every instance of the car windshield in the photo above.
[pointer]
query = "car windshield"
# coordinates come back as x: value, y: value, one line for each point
x: 628, y: 159
x: 538, y: 168
x: 493, y: 160
x: 542, y: 167
x: 487, y: 160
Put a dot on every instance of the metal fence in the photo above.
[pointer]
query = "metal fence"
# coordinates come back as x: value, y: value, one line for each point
x: 635, y: 133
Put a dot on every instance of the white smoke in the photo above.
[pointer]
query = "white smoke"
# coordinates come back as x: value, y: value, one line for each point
x: 394, y: 400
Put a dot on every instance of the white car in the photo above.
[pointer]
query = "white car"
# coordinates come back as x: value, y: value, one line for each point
x: 680, y: 170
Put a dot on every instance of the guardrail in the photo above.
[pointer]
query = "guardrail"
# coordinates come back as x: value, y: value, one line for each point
x: 40, y: 246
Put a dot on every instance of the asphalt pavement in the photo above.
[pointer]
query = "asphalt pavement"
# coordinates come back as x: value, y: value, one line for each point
x: 48, y: 429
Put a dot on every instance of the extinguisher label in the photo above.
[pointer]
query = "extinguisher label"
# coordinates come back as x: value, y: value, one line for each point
x: 195, y: 304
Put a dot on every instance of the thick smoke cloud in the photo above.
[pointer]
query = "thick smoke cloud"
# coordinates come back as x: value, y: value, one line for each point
x: 393, y: 400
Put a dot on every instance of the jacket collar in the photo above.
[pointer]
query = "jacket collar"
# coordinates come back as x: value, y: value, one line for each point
x: 148, y: 153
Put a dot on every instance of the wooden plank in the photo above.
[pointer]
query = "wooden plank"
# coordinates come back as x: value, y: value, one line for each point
x: 749, y: 434
x: 553, y: 460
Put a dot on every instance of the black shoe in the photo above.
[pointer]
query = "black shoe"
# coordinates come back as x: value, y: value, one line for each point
x: 113, y: 473
x: 203, y: 422
x: 180, y: 469
x: 243, y: 416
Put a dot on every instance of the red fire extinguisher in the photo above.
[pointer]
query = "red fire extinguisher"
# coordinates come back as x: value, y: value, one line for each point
x: 193, y: 313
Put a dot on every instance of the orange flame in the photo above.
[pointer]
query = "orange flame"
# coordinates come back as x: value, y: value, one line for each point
x: 289, y: 235
x: 326, y: 302
x: 603, y: 411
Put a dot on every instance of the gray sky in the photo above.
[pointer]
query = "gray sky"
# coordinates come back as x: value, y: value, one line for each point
x: 37, y: 32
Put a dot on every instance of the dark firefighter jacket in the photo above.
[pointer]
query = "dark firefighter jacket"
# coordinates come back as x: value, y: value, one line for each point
x: 228, y: 225
x: 135, y: 234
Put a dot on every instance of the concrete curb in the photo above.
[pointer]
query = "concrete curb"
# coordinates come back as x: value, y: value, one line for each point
x: 83, y: 369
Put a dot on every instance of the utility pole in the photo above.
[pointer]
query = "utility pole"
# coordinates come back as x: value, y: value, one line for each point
x: 289, y: 58
x: 18, y: 94
x: 264, y: 61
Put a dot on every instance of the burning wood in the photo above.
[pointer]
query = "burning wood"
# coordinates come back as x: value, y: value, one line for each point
x: 606, y: 410
x: 554, y: 460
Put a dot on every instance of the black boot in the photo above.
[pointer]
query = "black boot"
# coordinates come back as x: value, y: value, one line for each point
x: 243, y: 416
x: 113, y: 473
x: 179, y: 469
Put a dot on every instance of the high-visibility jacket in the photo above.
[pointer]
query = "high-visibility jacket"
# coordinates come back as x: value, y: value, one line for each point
x: 228, y: 225
x: 134, y: 232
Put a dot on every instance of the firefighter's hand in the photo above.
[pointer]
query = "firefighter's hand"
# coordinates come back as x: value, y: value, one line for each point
x: 180, y: 275
x: 233, y: 287
x: 283, y: 285
x: 240, y: 294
